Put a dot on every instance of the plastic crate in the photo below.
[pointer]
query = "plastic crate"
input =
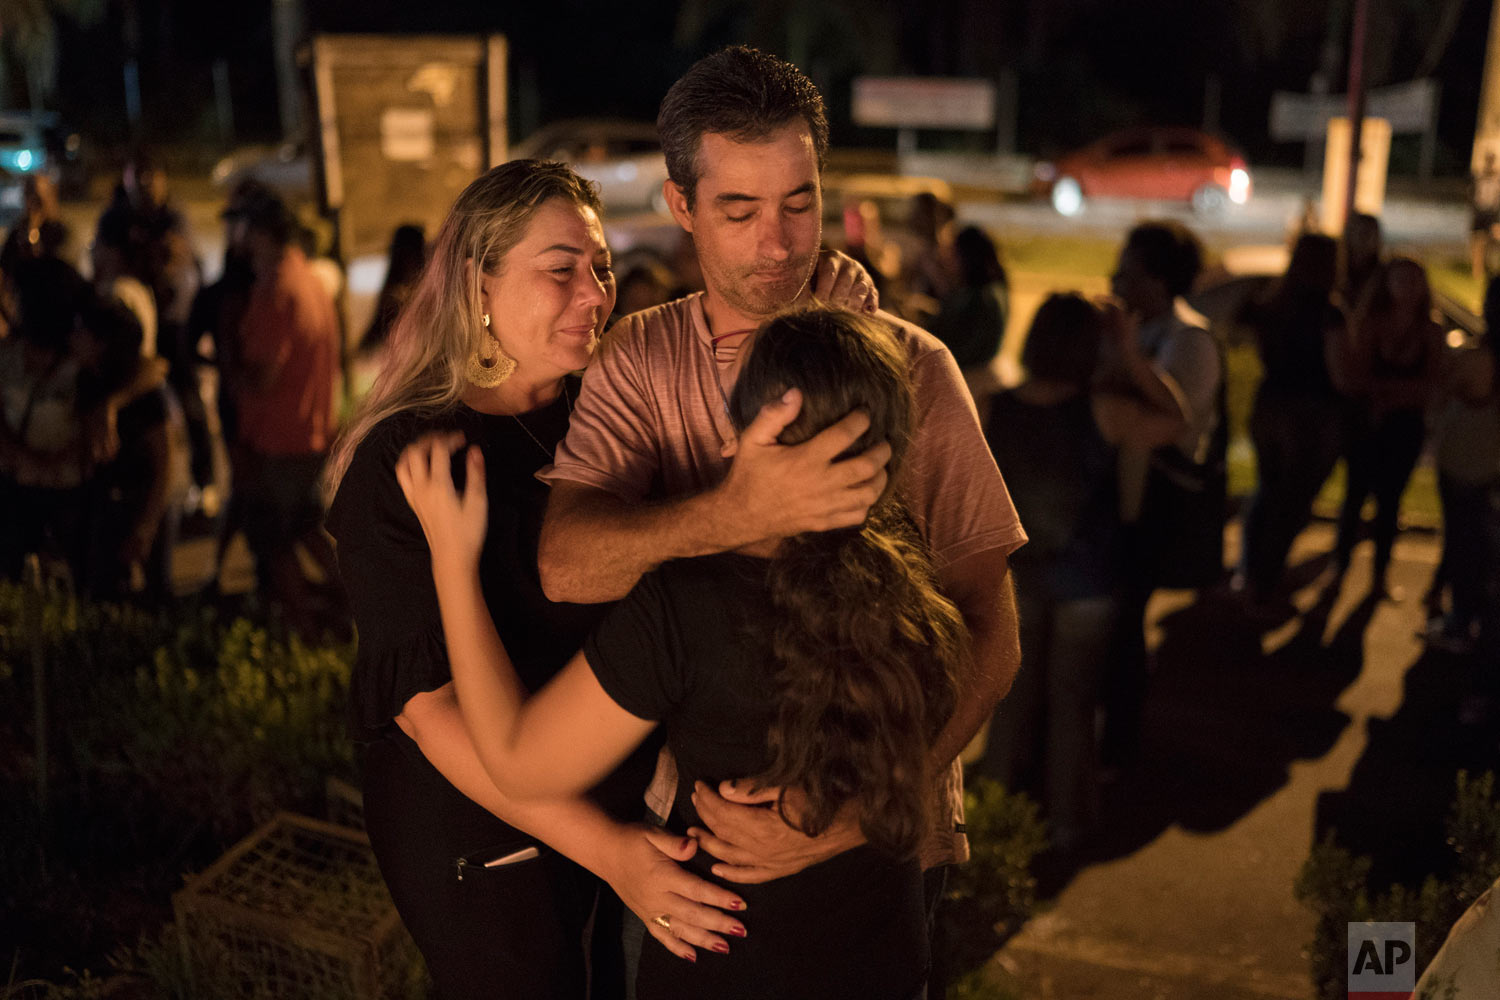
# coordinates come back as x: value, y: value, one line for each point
x: 296, y: 910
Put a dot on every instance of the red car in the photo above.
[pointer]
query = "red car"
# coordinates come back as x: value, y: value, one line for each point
x: 1166, y: 164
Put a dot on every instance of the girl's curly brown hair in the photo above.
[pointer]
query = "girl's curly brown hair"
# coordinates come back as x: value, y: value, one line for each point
x: 866, y: 647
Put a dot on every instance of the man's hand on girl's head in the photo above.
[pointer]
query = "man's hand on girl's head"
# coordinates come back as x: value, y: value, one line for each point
x: 777, y: 491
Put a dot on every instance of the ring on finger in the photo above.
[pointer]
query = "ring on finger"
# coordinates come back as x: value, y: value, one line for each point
x: 664, y: 922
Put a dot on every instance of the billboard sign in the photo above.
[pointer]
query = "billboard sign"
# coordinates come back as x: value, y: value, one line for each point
x: 924, y: 102
x: 405, y: 122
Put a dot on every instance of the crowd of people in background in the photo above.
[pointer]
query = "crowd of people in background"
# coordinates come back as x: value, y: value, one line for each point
x: 1113, y: 444
x: 113, y: 434
x: 1355, y: 367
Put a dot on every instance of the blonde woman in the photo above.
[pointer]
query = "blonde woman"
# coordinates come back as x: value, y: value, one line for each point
x: 496, y: 892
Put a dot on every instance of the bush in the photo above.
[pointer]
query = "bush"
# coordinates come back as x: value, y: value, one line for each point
x: 980, y: 985
x: 220, y: 723
x: 168, y: 739
x: 1334, y: 883
x: 989, y: 898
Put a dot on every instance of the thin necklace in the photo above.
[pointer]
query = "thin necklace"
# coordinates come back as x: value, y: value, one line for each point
x: 517, y: 418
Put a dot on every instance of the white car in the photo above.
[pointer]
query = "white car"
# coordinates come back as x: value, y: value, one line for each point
x: 284, y: 167
x: 623, y: 157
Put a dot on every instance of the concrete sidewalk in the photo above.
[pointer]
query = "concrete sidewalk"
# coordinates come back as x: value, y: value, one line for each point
x: 1189, y: 893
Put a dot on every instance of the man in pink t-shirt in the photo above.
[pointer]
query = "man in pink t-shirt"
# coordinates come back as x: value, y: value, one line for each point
x: 640, y: 478
x: 285, y: 392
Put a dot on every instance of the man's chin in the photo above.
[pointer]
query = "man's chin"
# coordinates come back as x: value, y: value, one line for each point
x: 765, y: 298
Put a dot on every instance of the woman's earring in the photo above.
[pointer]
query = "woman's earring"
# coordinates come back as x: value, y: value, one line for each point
x: 486, y: 319
x: 487, y: 370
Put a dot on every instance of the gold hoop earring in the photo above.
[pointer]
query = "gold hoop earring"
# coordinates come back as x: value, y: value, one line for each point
x: 487, y: 371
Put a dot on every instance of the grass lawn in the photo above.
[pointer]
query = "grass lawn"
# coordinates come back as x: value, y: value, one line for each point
x: 1084, y: 256
x: 1453, y: 277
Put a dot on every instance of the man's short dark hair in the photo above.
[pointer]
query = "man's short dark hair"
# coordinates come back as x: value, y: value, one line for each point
x: 1169, y: 252
x: 741, y: 93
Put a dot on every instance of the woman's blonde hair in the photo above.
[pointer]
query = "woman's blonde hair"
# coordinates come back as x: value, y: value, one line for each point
x: 440, y: 326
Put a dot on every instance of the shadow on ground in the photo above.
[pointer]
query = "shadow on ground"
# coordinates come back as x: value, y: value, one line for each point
x: 1396, y: 805
x: 1224, y: 721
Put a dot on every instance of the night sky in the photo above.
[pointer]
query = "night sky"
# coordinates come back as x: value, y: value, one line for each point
x: 1083, y: 66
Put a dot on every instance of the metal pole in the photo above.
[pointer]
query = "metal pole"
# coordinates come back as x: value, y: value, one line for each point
x: 223, y: 102
x: 133, y: 97
x: 132, y: 38
x: 36, y: 601
x: 1356, y: 102
x: 1007, y: 109
x: 287, y: 27
x: 1429, y: 136
x: 1213, y: 98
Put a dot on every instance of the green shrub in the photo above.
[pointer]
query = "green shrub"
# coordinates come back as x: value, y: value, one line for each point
x: 1335, y: 884
x: 219, y: 722
x: 257, y: 728
x: 168, y: 739
x: 981, y: 985
x: 990, y: 897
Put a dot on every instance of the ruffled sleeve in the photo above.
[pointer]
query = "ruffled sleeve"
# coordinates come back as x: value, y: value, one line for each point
x: 386, y: 571
x: 387, y: 677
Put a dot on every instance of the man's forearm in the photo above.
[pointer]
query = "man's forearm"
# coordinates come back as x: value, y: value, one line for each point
x: 595, y: 546
x: 1158, y: 389
x: 981, y: 587
x: 151, y: 373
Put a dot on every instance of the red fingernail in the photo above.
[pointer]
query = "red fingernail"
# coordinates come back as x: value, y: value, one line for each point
x: 721, y: 947
x: 737, y: 931
x: 736, y: 904
x: 686, y: 841
x: 691, y: 958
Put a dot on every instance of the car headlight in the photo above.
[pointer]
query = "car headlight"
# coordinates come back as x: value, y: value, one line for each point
x: 1239, y: 185
x: 1067, y: 197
